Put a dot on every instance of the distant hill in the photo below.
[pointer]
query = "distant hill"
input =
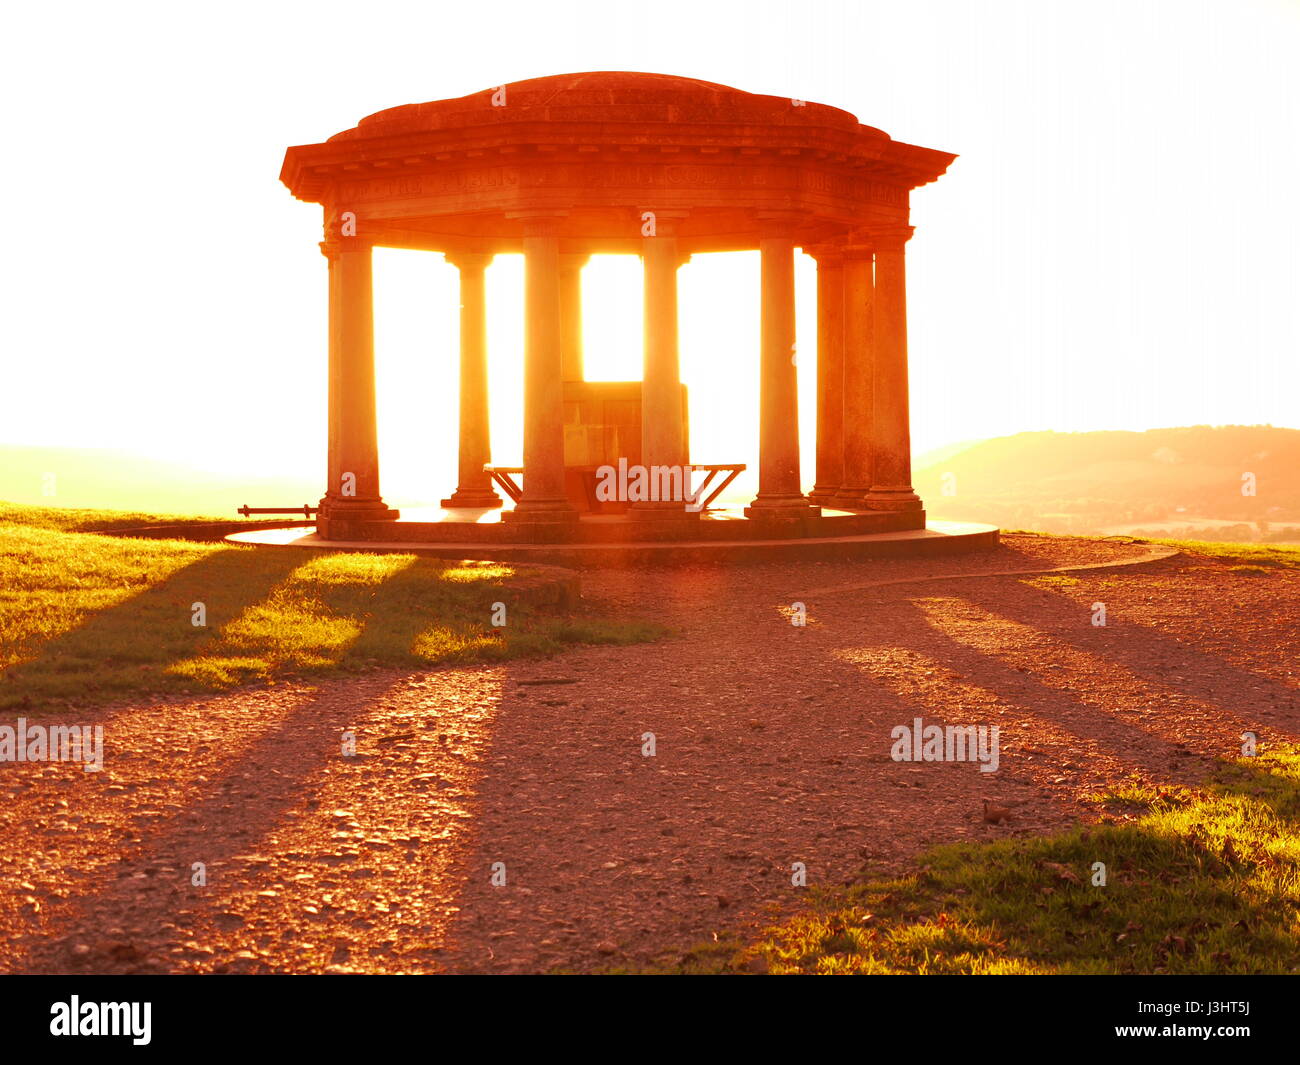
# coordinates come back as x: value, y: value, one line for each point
x: 1180, y: 482
x: 1185, y: 482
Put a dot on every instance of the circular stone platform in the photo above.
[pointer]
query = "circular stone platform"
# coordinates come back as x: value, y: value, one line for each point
x: 937, y: 538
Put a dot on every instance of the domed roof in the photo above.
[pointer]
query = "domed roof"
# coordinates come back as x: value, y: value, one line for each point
x: 612, y: 97
x: 604, y: 141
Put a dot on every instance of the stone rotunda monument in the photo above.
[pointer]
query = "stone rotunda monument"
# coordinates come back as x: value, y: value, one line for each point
x: 560, y: 168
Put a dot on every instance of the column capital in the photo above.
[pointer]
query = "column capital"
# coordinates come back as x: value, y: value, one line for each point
x: 331, y: 249
x: 666, y: 224
x: 469, y: 260
x: 859, y: 250
x: 828, y: 253
x: 860, y: 244
x: 539, y: 223
x: 892, y: 238
x: 776, y: 225
x: 343, y: 227
x: 665, y: 221
x: 665, y: 242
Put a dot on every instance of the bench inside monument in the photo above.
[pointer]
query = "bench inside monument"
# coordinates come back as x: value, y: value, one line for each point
x: 602, y: 424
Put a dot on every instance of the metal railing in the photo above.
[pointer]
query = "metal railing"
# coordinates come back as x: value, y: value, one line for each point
x: 305, y: 510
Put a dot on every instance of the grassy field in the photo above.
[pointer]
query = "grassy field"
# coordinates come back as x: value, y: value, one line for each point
x: 72, y: 519
x: 86, y: 617
x: 1253, y: 558
x: 1196, y: 882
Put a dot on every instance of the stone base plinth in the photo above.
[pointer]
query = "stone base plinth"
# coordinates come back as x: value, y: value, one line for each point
x: 541, y: 512
x: 892, y: 499
x: 660, y: 512
x: 357, y: 510
x: 462, y: 499
x: 782, y: 508
x: 625, y: 543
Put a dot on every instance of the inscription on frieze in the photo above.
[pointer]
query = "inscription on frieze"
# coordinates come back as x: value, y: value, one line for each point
x: 497, y: 177
x: 448, y: 181
x: 383, y: 188
x: 648, y: 175
x: 845, y: 187
x: 441, y: 181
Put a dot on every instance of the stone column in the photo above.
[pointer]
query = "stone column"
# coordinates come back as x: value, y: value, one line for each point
x: 473, y: 486
x: 859, y: 302
x: 891, y: 486
x: 352, y: 487
x: 571, y: 265
x: 779, y: 494
x: 663, y: 441
x: 830, y: 374
x: 543, y: 498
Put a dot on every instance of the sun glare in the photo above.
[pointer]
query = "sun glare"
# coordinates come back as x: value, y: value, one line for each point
x: 417, y: 344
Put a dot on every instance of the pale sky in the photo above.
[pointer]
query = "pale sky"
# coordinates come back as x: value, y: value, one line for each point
x: 1116, y: 247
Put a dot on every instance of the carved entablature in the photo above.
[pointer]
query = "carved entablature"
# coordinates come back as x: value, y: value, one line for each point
x: 627, y: 181
x: 600, y: 147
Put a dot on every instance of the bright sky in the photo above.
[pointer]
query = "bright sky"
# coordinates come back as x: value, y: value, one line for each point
x: 1116, y: 246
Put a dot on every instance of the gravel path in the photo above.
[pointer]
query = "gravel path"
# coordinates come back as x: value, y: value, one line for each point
x: 772, y: 746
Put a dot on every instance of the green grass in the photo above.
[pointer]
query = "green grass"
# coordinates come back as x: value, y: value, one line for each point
x: 71, y: 519
x: 1197, y: 882
x: 1273, y: 556
x: 84, y: 617
x: 1257, y: 560
x: 1278, y: 556
x: 1053, y: 582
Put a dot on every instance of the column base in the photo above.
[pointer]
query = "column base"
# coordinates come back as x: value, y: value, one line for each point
x: 344, y: 519
x: 893, y: 498
x: 471, y: 499
x: 782, y: 508
x: 541, y: 512
x: 357, y: 510
x: 850, y: 499
x: 824, y: 495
